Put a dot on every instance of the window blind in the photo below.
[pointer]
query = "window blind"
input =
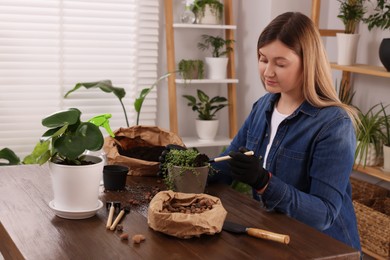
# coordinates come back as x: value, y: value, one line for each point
x: 47, y: 46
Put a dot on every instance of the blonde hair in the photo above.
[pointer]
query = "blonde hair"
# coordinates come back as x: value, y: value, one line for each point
x: 299, y: 33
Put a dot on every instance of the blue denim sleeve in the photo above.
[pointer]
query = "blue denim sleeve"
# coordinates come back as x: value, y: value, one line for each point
x: 330, y: 164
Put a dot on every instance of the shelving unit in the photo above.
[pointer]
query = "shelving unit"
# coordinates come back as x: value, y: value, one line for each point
x: 231, y: 81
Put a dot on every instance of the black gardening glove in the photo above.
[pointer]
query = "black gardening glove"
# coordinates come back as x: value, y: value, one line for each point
x: 161, y: 159
x: 247, y: 169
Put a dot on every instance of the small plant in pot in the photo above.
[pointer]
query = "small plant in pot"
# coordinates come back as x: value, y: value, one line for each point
x: 386, y: 138
x: 369, y: 137
x: 191, y: 69
x: 185, y: 170
x: 75, y: 176
x: 351, y: 12
x: 208, y: 11
x: 217, y: 64
x: 206, y: 107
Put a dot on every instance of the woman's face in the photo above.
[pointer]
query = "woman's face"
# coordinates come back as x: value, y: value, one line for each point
x: 280, y: 69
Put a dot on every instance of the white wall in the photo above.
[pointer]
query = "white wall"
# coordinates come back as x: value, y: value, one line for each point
x: 251, y: 17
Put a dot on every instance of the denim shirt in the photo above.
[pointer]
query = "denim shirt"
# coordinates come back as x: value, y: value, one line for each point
x: 311, y: 159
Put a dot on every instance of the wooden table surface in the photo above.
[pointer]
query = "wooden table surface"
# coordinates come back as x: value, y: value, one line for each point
x: 29, y: 229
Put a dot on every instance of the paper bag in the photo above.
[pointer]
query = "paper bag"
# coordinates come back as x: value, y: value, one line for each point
x: 185, y: 225
x: 146, y: 137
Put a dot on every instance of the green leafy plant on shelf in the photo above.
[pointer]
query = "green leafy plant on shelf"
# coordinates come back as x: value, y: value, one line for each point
x: 218, y: 45
x: 380, y: 18
x: 205, y: 106
x: 216, y: 7
x: 191, y: 69
x: 351, y: 12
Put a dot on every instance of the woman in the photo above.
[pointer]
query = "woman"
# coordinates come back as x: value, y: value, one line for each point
x: 302, y: 135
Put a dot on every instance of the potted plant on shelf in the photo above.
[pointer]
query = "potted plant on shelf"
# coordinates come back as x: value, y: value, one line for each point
x: 380, y: 18
x: 386, y: 139
x: 75, y: 176
x: 185, y: 170
x: 369, y: 138
x: 351, y: 12
x: 191, y: 69
x: 206, y: 107
x: 217, y: 64
x: 208, y: 11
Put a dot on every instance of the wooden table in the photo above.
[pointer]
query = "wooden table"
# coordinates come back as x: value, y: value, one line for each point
x: 29, y: 228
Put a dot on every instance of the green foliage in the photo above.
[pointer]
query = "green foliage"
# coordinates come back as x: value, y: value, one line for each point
x: 191, y: 69
x: 66, y: 139
x: 120, y: 93
x: 10, y: 156
x: 206, y: 107
x: 380, y: 18
x: 217, y: 44
x: 187, y: 159
x: 216, y: 7
x: 351, y: 12
x: 385, y: 125
x: 345, y: 92
x: 369, y: 131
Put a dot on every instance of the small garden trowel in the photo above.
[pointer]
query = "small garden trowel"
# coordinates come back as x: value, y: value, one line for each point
x: 255, y: 232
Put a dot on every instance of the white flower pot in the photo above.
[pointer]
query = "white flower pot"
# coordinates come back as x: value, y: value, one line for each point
x: 206, y: 129
x: 346, y: 48
x: 210, y: 16
x: 216, y: 67
x: 371, y: 157
x: 386, y: 158
x: 76, y: 188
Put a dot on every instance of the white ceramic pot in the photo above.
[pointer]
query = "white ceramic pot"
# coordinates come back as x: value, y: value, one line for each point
x: 189, y: 180
x: 76, y: 188
x: 210, y: 16
x: 371, y: 157
x: 216, y: 67
x: 346, y: 48
x: 386, y: 158
x: 206, y: 129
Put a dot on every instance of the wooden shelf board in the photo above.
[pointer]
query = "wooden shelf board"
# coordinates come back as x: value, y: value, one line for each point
x: 195, y: 142
x: 373, y: 171
x: 363, y: 69
x: 204, y: 26
x: 205, y: 81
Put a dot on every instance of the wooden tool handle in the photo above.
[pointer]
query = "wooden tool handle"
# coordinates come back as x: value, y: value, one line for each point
x: 227, y: 157
x: 110, y: 216
x: 260, y: 233
x: 118, y: 218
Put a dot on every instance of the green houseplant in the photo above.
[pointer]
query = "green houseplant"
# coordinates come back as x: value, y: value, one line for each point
x: 185, y: 170
x: 386, y: 138
x: 206, y: 108
x: 191, y: 69
x: 220, y: 47
x: 208, y: 11
x: 351, y: 12
x: 369, y: 137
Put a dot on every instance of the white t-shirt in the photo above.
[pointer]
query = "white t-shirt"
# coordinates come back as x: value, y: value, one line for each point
x: 276, y: 119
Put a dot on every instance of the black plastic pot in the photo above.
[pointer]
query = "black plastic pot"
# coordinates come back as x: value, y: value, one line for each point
x: 114, y: 177
x: 384, y: 53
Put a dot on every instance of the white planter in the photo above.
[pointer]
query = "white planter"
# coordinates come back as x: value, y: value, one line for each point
x: 207, y: 129
x: 209, y: 17
x: 386, y: 158
x: 372, y: 158
x: 346, y: 48
x: 216, y: 67
x: 76, y: 188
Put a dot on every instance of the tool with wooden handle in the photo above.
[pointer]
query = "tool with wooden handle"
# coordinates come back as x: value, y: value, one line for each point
x: 256, y: 232
x: 110, y: 215
x: 227, y: 157
x: 124, y: 211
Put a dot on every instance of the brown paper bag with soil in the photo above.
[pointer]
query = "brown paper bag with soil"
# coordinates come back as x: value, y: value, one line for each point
x: 139, y: 147
x: 185, y: 225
